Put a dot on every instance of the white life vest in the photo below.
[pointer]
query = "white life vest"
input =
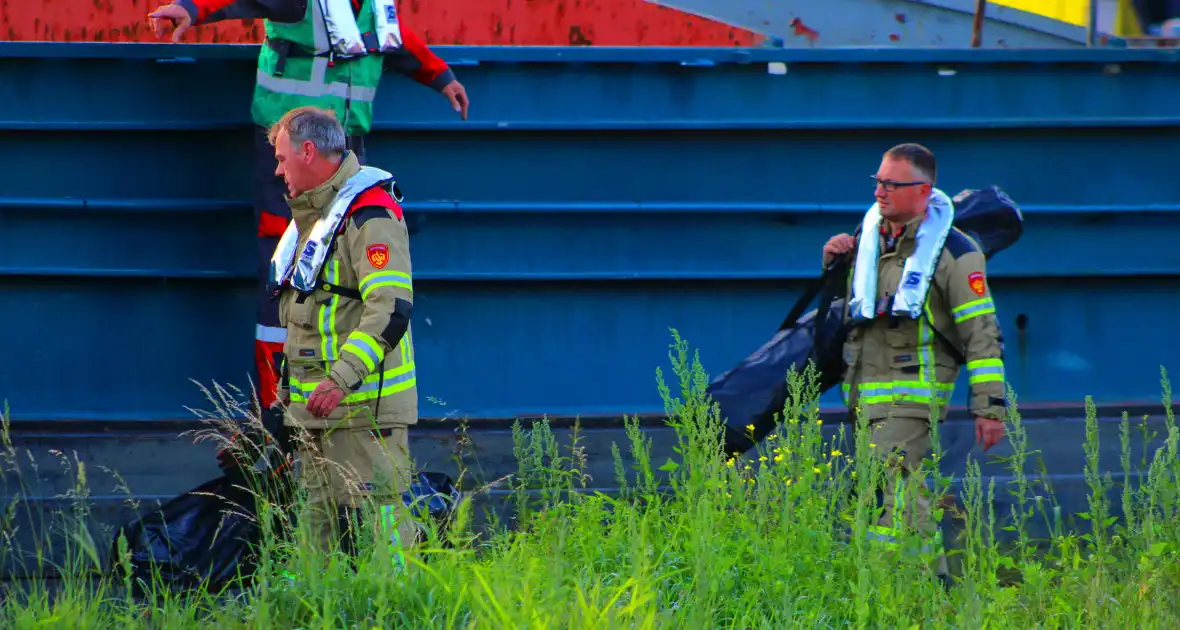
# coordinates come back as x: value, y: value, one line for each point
x: 344, y: 36
x: 302, y: 273
x: 918, y: 272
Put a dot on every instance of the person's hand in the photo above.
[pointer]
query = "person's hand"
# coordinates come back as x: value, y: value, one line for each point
x: 988, y: 431
x: 325, y: 398
x: 838, y: 245
x: 457, y: 94
x: 227, y: 460
x: 173, y: 14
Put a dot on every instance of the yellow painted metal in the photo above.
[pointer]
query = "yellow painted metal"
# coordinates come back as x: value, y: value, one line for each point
x: 1077, y: 12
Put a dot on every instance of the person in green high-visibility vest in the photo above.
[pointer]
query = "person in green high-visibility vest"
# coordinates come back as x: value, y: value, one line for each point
x: 322, y: 53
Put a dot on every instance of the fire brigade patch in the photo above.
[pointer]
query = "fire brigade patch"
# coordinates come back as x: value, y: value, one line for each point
x: 975, y: 279
x: 378, y: 255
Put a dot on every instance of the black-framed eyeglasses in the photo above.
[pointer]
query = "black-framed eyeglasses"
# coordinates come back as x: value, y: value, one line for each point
x: 890, y: 185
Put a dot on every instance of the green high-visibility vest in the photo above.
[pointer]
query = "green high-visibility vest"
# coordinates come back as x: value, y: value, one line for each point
x: 347, y: 87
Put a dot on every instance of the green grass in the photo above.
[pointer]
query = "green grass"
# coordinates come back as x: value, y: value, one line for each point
x: 695, y: 542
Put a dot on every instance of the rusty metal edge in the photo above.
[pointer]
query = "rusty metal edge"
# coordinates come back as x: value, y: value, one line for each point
x: 693, y: 56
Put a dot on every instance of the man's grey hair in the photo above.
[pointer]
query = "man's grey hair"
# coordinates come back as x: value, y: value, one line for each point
x: 919, y: 157
x: 312, y: 124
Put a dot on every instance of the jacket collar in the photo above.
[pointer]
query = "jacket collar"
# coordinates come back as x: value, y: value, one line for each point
x: 312, y: 205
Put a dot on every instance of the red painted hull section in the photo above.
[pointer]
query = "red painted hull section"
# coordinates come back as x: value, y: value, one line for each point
x: 457, y: 22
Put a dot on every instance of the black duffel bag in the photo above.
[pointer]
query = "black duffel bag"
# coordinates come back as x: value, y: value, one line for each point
x: 755, y: 391
x: 990, y: 217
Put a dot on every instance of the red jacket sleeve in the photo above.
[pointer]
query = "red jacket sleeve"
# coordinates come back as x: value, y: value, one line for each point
x: 205, y: 7
x: 209, y: 11
x: 415, y: 60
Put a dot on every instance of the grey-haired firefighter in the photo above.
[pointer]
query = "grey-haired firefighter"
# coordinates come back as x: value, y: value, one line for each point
x: 342, y: 277
x: 326, y: 53
x: 920, y: 307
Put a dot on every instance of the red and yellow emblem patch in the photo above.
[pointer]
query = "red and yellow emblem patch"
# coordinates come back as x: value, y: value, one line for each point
x: 378, y: 255
x: 977, y: 283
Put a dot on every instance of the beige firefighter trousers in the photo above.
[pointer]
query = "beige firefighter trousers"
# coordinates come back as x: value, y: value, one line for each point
x: 903, y: 443
x: 364, y: 469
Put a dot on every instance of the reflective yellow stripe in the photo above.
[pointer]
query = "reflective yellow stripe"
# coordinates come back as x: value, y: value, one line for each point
x: 380, y: 279
x: 904, y: 391
x: 327, y: 316
x: 926, y: 365
x: 884, y: 536
x: 985, y: 371
x: 366, y: 348
x: 391, y: 381
x: 967, y: 311
x: 406, y: 349
x: 890, y: 538
x: 390, y: 521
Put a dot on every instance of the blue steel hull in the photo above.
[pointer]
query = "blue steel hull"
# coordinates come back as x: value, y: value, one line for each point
x: 597, y: 198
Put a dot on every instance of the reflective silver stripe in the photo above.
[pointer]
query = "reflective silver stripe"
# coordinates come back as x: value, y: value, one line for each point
x: 346, y: 36
x: 302, y: 268
x: 313, y: 88
x: 270, y: 334
x: 920, y: 266
x: 319, y: 65
x: 389, y: 31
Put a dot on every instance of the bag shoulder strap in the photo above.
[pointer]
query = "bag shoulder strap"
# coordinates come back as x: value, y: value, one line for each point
x: 814, y: 287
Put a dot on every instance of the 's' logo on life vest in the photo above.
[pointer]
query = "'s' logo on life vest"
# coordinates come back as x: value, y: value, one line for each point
x: 975, y: 279
x: 378, y: 255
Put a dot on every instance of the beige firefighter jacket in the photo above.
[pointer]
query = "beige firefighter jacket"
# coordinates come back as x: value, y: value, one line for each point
x: 338, y: 337
x: 898, y: 366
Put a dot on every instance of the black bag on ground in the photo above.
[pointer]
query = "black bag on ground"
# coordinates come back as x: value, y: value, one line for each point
x: 209, y: 535
x: 754, y: 392
x: 432, y: 497
x: 205, y: 536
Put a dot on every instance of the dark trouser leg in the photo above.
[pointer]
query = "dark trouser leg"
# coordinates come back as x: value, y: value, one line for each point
x: 271, y: 215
